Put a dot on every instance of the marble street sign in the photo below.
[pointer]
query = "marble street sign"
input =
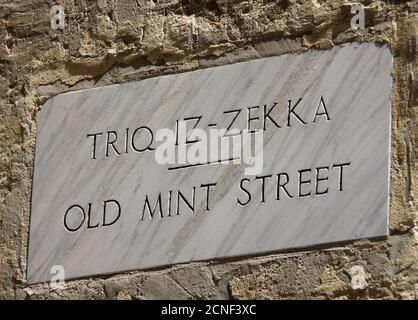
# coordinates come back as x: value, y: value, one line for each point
x: 104, y: 200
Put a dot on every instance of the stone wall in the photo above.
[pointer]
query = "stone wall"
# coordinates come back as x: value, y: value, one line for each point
x: 115, y: 41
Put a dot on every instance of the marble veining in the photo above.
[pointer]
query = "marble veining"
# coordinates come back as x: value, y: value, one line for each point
x: 347, y: 148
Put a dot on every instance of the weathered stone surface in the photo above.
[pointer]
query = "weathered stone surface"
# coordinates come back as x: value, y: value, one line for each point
x: 38, y: 56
